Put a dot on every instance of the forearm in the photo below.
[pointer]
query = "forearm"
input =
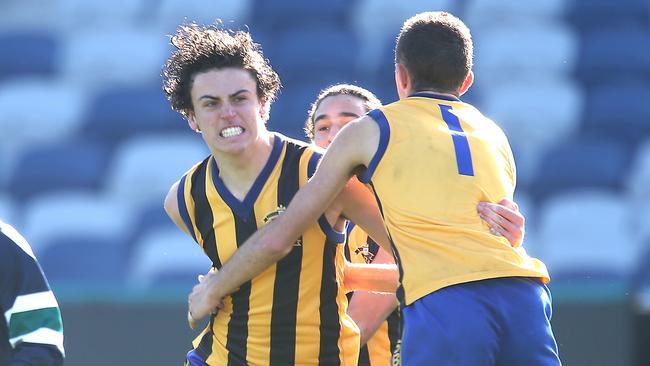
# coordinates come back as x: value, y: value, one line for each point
x: 247, y: 262
x: 369, y: 310
x: 371, y: 277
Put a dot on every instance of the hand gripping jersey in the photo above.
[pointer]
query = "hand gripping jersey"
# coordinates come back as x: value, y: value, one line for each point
x: 437, y: 158
x: 294, y: 313
x: 360, y: 248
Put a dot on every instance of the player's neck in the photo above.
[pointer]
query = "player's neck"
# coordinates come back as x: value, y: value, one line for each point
x: 435, y: 93
x: 239, y: 171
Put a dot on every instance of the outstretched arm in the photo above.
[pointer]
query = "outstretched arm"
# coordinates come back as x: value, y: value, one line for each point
x: 273, y: 241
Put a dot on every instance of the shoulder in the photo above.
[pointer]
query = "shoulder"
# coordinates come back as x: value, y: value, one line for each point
x: 12, y: 243
x: 298, y: 145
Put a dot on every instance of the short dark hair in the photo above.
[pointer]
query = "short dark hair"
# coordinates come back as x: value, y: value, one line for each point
x: 203, y: 48
x: 370, y: 102
x: 436, y: 48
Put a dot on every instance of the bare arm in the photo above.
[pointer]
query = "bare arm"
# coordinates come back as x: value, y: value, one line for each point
x: 370, y: 309
x: 171, y: 207
x: 273, y: 241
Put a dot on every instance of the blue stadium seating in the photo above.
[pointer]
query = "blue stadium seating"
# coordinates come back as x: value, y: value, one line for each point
x: 305, y: 53
x: 84, y: 260
x: 591, y: 14
x: 581, y: 163
x: 62, y: 166
x: 613, y: 55
x: 282, y: 15
x: 608, y: 115
x: 28, y: 54
x: 586, y: 238
x: 117, y: 113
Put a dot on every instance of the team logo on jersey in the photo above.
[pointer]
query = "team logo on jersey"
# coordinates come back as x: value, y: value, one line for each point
x: 365, y: 252
x: 275, y: 214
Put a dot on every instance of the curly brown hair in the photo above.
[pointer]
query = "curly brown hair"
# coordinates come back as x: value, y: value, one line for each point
x: 370, y: 102
x: 203, y: 48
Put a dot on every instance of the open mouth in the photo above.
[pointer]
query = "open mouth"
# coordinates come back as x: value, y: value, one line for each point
x: 231, y: 131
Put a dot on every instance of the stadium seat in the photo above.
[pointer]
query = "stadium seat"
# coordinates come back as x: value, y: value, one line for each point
x: 586, y: 236
x: 171, y: 13
x: 166, y: 257
x: 75, y: 213
x: 90, y: 261
x: 480, y: 14
x: 57, y: 116
x: 125, y: 56
x: 66, y: 165
x: 627, y: 121
x: 638, y: 190
x: 318, y: 47
x: 533, y: 125
x: 29, y: 53
x: 577, y: 164
x: 378, y: 22
x: 148, y: 217
x: 144, y: 168
x: 613, y: 55
x: 118, y: 113
x: 592, y: 14
x: 75, y: 15
x: 529, y: 54
x: 284, y: 15
x: 27, y: 14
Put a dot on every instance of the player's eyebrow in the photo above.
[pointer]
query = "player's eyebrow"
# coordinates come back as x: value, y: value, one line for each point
x: 208, y: 96
x: 342, y: 114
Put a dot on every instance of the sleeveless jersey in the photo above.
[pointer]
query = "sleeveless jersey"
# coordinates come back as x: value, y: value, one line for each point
x: 294, y: 313
x: 437, y: 158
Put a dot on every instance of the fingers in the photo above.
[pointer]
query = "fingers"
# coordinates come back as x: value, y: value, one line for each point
x: 503, y: 221
x: 509, y: 204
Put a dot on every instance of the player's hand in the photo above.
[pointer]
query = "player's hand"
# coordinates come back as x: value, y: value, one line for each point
x: 200, y: 301
x: 504, y: 220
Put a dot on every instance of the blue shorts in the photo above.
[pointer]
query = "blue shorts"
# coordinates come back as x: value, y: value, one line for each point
x: 496, y: 322
x: 194, y: 359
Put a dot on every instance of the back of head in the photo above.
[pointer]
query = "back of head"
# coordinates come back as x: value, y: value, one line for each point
x: 436, y: 48
x: 370, y: 102
x: 203, y: 48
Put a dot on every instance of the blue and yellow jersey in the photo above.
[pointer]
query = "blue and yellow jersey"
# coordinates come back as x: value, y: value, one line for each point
x: 437, y: 159
x: 360, y: 248
x: 295, y: 311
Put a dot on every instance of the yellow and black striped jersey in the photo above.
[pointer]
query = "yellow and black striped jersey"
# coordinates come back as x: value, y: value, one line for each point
x: 360, y: 248
x: 294, y: 313
x: 437, y: 158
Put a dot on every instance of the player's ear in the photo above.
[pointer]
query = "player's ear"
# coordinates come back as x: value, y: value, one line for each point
x: 191, y: 121
x: 469, y: 80
x: 402, y: 80
x: 264, y: 109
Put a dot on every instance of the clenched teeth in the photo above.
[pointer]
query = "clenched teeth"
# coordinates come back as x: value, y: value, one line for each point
x: 231, y: 132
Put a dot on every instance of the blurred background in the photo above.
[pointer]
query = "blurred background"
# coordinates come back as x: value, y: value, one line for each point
x: 89, y: 147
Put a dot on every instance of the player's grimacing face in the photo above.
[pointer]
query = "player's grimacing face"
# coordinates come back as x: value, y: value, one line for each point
x: 332, y: 114
x: 226, y: 108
